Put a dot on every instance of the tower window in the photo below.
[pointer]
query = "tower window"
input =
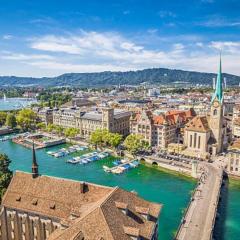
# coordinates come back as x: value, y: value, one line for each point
x: 215, y: 112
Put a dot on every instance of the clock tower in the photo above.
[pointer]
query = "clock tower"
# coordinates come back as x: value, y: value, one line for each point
x: 216, y: 113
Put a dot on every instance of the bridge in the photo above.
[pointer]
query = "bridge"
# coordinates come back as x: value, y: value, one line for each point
x: 199, y: 218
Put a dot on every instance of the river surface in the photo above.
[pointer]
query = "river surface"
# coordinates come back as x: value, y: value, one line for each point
x: 15, y: 103
x: 150, y: 183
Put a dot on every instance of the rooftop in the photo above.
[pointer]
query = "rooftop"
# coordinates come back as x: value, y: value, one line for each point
x: 87, y: 210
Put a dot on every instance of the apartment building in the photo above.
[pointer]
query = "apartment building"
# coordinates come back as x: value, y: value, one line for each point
x: 160, y: 130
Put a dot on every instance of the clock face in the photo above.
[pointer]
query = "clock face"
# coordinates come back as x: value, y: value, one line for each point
x: 215, y: 104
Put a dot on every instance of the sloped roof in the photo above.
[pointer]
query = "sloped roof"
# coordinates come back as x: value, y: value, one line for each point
x: 171, y: 117
x: 96, y: 209
x: 198, y: 124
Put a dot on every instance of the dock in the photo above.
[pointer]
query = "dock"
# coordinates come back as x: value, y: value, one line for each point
x: 119, y: 168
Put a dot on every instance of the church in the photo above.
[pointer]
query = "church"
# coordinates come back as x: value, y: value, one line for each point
x: 207, y: 135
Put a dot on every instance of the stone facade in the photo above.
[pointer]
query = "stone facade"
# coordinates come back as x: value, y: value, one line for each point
x: 160, y: 130
x: 116, y: 121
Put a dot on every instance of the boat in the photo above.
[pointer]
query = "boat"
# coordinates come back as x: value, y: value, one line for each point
x: 106, y: 168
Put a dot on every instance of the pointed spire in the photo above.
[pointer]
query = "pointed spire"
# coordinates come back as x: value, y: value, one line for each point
x: 34, y: 163
x: 218, y: 87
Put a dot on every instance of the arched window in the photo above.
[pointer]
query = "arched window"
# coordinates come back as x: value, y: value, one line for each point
x: 215, y: 112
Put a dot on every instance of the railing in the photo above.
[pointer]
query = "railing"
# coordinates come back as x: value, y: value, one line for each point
x: 186, y: 211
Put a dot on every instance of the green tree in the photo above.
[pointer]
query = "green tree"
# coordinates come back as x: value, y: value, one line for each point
x: 27, y: 119
x: 71, y: 132
x: 41, y: 125
x: 114, y: 139
x: 3, y: 116
x: 96, y: 137
x: 5, y: 173
x: 11, y: 120
x: 59, y: 130
x: 135, y: 143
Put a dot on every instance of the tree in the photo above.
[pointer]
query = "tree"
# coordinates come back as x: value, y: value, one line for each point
x: 3, y: 117
x: 59, y: 130
x: 11, y: 120
x: 71, y: 132
x: 41, y: 125
x: 114, y: 139
x: 134, y: 143
x: 105, y: 138
x: 27, y: 119
x: 96, y: 137
x: 5, y: 173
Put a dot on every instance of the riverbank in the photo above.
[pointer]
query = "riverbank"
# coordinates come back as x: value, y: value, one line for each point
x: 170, y: 171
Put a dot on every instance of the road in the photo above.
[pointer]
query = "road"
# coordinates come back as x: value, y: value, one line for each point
x: 200, y: 217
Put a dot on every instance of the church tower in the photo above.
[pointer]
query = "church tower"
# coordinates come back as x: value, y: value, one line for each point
x: 34, y: 163
x: 216, y: 113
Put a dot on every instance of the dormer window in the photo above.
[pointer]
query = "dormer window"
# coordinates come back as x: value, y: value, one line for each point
x: 122, y: 206
x: 132, y: 232
x: 143, y: 211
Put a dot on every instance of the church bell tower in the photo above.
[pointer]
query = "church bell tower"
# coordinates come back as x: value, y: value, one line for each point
x: 216, y: 113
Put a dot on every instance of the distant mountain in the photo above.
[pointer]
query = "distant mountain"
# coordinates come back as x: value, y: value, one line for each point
x: 154, y: 75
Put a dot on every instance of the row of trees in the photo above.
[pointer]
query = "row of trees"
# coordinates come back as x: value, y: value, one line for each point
x: 67, y: 132
x: 25, y: 119
x: 102, y: 137
x: 133, y: 143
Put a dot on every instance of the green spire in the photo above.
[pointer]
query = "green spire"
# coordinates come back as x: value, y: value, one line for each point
x: 218, y: 88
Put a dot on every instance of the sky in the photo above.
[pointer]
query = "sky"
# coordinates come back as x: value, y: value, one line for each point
x: 52, y: 37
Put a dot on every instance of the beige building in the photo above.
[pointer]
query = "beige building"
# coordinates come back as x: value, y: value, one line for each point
x: 114, y: 120
x: 41, y: 207
x: 233, y: 157
x: 160, y: 130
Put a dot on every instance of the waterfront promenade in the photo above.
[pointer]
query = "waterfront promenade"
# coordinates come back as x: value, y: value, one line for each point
x: 199, y: 220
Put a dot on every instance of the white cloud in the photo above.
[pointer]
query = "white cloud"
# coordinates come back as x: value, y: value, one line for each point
x: 109, y: 51
x: 21, y: 57
x: 7, y: 37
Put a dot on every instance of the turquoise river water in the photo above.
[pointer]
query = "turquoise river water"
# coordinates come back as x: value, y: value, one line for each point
x: 150, y: 183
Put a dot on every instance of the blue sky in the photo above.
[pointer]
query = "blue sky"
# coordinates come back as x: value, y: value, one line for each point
x: 48, y: 38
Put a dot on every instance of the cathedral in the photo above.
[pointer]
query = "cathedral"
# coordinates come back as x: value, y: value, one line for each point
x: 206, y: 135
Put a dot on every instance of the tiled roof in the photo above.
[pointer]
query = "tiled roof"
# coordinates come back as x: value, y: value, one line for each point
x: 198, y: 124
x: 171, y: 117
x: 89, y: 211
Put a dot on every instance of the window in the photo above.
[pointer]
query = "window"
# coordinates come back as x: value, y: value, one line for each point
x: 215, y: 112
x: 199, y: 141
x: 191, y: 140
x: 195, y: 139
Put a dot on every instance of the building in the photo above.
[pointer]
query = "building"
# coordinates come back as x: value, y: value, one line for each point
x: 207, y: 135
x: 45, y: 114
x: 38, y: 207
x: 116, y: 121
x: 233, y: 159
x: 65, y: 117
x: 160, y: 130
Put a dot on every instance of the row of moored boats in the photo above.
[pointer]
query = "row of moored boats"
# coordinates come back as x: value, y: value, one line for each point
x: 66, y: 151
x: 88, y: 157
